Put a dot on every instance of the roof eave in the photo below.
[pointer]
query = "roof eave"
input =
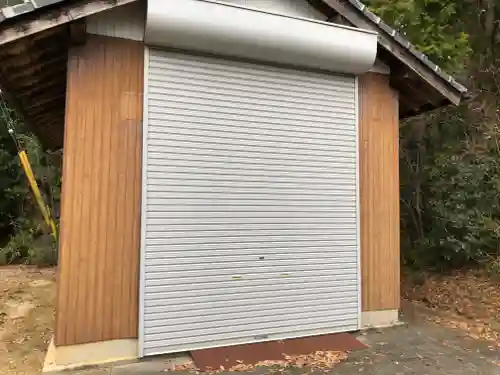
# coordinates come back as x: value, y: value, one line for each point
x: 33, y: 21
x: 357, y: 13
x: 40, y: 15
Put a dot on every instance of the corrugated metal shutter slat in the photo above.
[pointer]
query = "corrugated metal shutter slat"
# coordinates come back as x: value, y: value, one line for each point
x: 250, y: 205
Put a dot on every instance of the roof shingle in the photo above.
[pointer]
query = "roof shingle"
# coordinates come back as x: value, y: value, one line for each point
x: 26, y: 7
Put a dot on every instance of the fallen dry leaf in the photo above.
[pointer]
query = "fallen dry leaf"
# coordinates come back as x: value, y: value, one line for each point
x: 187, y: 367
x: 471, y: 301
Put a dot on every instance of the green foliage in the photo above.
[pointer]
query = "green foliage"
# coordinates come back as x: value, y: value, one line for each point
x: 24, y: 235
x: 433, y: 26
x: 460, y: 172
x: 30, y: 244
x: 450, y: 159
x: 10, y: 180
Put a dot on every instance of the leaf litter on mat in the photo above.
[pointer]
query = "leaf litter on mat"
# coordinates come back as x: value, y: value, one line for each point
x: 317, y: 361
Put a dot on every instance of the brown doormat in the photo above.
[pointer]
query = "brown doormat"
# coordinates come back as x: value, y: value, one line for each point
x: 250, y: 354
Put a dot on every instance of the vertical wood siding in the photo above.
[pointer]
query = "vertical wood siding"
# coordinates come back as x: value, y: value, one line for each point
x: 100, y: 226
x: 379, y: 193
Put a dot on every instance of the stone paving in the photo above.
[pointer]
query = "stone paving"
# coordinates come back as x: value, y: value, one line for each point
x: 416, y: 348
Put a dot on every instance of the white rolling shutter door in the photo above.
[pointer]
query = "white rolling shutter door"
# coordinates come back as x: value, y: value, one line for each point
x: 250, y: 204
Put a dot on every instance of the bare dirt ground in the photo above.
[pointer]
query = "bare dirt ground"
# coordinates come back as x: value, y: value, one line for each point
x: 27, y: 297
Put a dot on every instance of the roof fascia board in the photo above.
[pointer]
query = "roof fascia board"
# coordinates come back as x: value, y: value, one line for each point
x: 356, y: 17
x: 66, y: 13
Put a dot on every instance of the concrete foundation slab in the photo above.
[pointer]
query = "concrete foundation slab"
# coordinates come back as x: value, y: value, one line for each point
x: 379, y: 319
x: 87, y: 355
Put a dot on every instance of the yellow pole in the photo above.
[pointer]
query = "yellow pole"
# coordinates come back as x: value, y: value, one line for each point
x: 36, y: 192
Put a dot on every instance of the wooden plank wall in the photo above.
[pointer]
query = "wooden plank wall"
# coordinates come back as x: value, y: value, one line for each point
x: 379, y: 193
x: 100, y: 228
